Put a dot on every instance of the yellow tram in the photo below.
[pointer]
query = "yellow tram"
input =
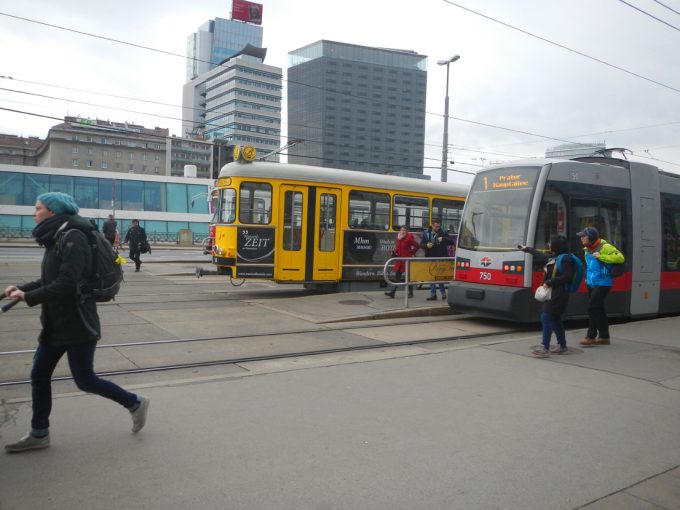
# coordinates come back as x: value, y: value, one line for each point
x: 322, y: 227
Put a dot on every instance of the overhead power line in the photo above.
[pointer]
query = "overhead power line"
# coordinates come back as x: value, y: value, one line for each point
x: 650, y: 15
x: 562, y: 46
x: 669, y: 8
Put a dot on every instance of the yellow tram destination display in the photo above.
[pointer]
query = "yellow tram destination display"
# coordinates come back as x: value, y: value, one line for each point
x: 324, y: 228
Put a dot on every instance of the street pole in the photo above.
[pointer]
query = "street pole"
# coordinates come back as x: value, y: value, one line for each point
x: 445, y: 142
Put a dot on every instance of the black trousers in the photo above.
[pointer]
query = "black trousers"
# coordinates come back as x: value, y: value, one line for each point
x: 398, y: 279
x: 135, y: 253
x: 597, y: 314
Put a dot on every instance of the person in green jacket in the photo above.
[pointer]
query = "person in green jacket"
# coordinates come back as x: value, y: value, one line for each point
x: 70, y: 323
x: 600, y: 255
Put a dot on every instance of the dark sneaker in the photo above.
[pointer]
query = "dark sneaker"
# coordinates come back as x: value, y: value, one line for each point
x: 28, y: 442
x: 389, y: 294
x: 602, y: 341
x: 558, y: 349
x: 139, y: 415
x: 587, y: 342
x: 410, y: 294
x: 443, y: 297
x: 432, y: 298
x: 540, y: 351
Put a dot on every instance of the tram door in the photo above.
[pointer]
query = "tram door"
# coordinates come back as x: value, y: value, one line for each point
x: 291, y: 238
x: 326, y: 252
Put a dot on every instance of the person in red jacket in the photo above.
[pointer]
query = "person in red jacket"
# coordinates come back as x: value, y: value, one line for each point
x: 404, y: 246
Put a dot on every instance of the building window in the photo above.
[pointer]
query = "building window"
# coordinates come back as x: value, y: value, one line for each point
x: 131, y: 168
x: 144, y: 156
x: 90, y: 150
x: 75, y: 138
x: 103, y: 140
x: 131, y: 144
x: 105, y: 164
x: 118, y: 154
x: 157, y: 146
x: 74, y: 162
x: 105, y: 154
x: 88, y: 163
x: 74, y: 150
x: 158, y: 157
x: 145, y: 146
x: 132, y: 156
x: 117, y: 166
x: 156, y: 170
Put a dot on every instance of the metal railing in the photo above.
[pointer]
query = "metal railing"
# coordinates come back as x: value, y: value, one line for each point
x: 407, y: 274
x: 9, y: 233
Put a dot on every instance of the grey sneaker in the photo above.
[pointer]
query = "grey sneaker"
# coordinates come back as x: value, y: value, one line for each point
x: 28, y: 442
x: 540, y: 351
x: 139, y: 415
x: 558, y: 349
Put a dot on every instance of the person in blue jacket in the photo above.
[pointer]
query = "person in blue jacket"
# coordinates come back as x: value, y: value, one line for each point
x: 600, y: 255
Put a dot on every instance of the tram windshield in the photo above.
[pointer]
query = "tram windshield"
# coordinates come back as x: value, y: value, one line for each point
x: 227, y: 208
x: 497, y: 209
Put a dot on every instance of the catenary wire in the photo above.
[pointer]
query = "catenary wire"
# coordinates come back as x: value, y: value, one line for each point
x: 649, y: 15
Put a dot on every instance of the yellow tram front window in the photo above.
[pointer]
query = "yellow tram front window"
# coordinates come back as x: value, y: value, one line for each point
x: 227, y: 209
x: 255, y: 203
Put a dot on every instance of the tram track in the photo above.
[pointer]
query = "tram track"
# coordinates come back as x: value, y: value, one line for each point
x: 247, y: 359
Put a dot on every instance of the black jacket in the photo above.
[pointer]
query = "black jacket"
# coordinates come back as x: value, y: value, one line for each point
x: 438, y: 248
x: 109, y: 230
x: 56, y: 290
x: 135, y: 236
x: 559, y: 297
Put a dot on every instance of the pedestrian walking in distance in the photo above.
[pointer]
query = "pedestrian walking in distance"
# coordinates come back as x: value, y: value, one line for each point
x: 404, y: 246
x: 599, y: 257
x: 70, y: 323
x: 136, y: 238
x: 109, y: 229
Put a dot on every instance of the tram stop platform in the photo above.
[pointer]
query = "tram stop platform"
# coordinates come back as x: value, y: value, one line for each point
x: 475, y: 423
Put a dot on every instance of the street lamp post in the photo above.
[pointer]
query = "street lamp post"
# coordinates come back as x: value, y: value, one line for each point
x: 445, y: 147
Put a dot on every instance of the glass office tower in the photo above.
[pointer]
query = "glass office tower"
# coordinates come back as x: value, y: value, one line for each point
x: 357, y: 107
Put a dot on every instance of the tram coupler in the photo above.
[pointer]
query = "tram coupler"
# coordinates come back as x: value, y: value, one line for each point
x: 204, y: 272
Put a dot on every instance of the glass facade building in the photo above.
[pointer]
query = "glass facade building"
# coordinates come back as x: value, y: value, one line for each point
x: 163, y: 205
x: 358, y: 108
x: 217, y: 40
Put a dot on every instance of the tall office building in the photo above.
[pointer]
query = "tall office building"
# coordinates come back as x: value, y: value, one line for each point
x: 217, y: 40
x: 358, y: 108
x: 231, y: 102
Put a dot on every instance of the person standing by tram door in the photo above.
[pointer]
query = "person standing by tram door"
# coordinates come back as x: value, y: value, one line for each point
x: 404, y: 246
x: 136, y: 239
x: 435, y: 242
x: 556, y: 277
x: 600, y: 255
x: 70, y: 323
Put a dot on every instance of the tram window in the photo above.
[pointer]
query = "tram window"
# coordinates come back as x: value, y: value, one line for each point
x: 670, y: 207
x: 410, y: 211
x: 369, y: 210
x: 327, y: 211
x: 450, y: 212
x: 255, y: 203
x: 292, y: 221
x: 551, y: 218
x: 606, y: 216
x: 227, y: 209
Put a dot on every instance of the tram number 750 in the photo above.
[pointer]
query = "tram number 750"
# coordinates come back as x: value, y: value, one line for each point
x: 483, y: 275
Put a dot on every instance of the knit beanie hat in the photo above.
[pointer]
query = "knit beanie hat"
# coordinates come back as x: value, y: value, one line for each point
x: 58, y: 202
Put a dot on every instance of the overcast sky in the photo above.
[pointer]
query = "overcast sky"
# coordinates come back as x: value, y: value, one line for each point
x: 506, y: 78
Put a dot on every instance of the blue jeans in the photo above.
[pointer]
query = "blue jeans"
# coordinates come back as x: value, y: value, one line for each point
x: 80, y: 360
x: 433, y: 289
x: 552, y: 323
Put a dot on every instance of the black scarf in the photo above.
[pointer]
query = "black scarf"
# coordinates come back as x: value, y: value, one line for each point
x: 45, y: 231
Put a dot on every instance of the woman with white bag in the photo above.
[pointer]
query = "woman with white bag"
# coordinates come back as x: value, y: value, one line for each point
x: 555, y: 282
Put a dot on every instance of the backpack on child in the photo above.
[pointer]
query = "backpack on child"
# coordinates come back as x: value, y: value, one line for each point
x: 578, y: 271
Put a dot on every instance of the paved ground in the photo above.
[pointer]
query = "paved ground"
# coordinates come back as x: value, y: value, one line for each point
x: 476, y: 424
